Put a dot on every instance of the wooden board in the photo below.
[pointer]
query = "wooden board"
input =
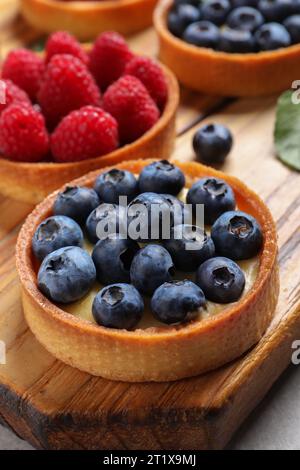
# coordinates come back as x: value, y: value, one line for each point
x: 56, y: 407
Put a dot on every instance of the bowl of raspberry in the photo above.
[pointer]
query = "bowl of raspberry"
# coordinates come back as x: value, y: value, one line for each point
x: 72, y: 109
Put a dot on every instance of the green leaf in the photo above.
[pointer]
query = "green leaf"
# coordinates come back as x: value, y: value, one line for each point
x: 287, y: 130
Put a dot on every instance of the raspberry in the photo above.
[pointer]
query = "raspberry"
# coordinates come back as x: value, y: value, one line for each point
x: 151, y: 75
x: 62, y: 42
x: 86, y: 133
x: 130, y: 103
x: 23, y: 134
x: 108, y: 58
x: 25, y: 69
x: 13, y: 94
x: 68, y: 85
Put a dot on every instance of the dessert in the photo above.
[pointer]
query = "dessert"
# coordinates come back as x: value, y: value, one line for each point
x: 82, y: 110
x: 144, y: 319
x: 86, y: 19
x: 230, y: 49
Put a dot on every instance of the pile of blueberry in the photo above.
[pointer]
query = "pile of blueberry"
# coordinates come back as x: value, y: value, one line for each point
x: 239, y: 26
x: 130, y: 268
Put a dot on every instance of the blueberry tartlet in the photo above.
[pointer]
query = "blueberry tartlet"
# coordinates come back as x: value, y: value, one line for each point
x: 231, y: 48
x: 196, y: 290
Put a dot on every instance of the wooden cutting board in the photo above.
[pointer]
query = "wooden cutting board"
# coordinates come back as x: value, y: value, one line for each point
x: 56, y: 407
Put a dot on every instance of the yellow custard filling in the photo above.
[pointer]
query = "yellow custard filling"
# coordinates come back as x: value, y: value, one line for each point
x: 83, y: 307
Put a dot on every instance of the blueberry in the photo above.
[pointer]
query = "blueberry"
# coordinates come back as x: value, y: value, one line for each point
x: 112, y: 258
x: 148, y: 216
x: 244, y: 3
x: 216, y: 11
x: 221, y: 280
x: 177, y: 301
x: 216, y: 195
x: 55, y: 232
x: 202, y: 34
x: 189, y: 246
x: 180, y: 212
x: 196, y: 3
x: 151, y: 267
x: 105, y: 220
x: 274, y: 10
x: 118, y: 306
x: 272, y: 36
x: 236, y: 41
x: 181, y: 17
x: 237, y: 235
x: 76, y: 202
x: 161, y: 177
x: 245, y: 19
x: 212, y: 143
x: 292, y: 24
x: 115, y: 183
x: 66, y: 275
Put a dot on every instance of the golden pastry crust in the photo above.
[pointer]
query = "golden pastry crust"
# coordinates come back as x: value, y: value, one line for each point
x: 86, y: 19
x: 32, y: 182
x: 221, y: 73
x: 154, y: 354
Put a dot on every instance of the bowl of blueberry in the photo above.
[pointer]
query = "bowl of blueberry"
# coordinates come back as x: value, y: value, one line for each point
x: 149, y: 270
x: 231, y: 47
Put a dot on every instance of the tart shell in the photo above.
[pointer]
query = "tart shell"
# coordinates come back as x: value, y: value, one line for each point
x: 32, y: 182
x: 154, y: 354
x: 220, y: 73
x: 86, y: 19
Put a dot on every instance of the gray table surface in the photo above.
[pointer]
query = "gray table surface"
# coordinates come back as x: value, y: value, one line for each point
x: 274, y: 424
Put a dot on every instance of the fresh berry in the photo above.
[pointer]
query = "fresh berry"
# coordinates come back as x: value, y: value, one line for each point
x: 151, y: 267
x: 215, y: 11
x: 180, y: 213
x: 23, y: 134
x: 292, y: 24
x: 114, y: 183
x: 131, y: 105
x: 244, y: 3
x: 161, y: 177
x: 177, y: 301
x: 149, y: 72
x: 112, y: 257
x: 26, y: 69
x: 245, y: 19
x: 118, y: 306
x: 181, y: 17
x: 149, y: 217
x: 53, y: 233
x: 196, y: 3
x: 221, y: 280
x: 203, y: 34
x: 67, y: 85
x: 85, y: 133
x: 216, y: 195
x: 237, y: 235
x: 274, y: 10
x: 76, y: 202
x: 212, y: 143
x: 105, y: 220
x: 108, y: 58
x: 234, y: 40
x: 13, y: 94
x: 189, y: 246
x: 62, y: 42
x: 66, y: 275
x: 272, y: 36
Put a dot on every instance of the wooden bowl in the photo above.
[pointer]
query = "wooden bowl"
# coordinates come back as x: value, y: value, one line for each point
x: 221, y: 73
x: 32, y: 182
x: 86, y: 19
x: 156, y: 353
